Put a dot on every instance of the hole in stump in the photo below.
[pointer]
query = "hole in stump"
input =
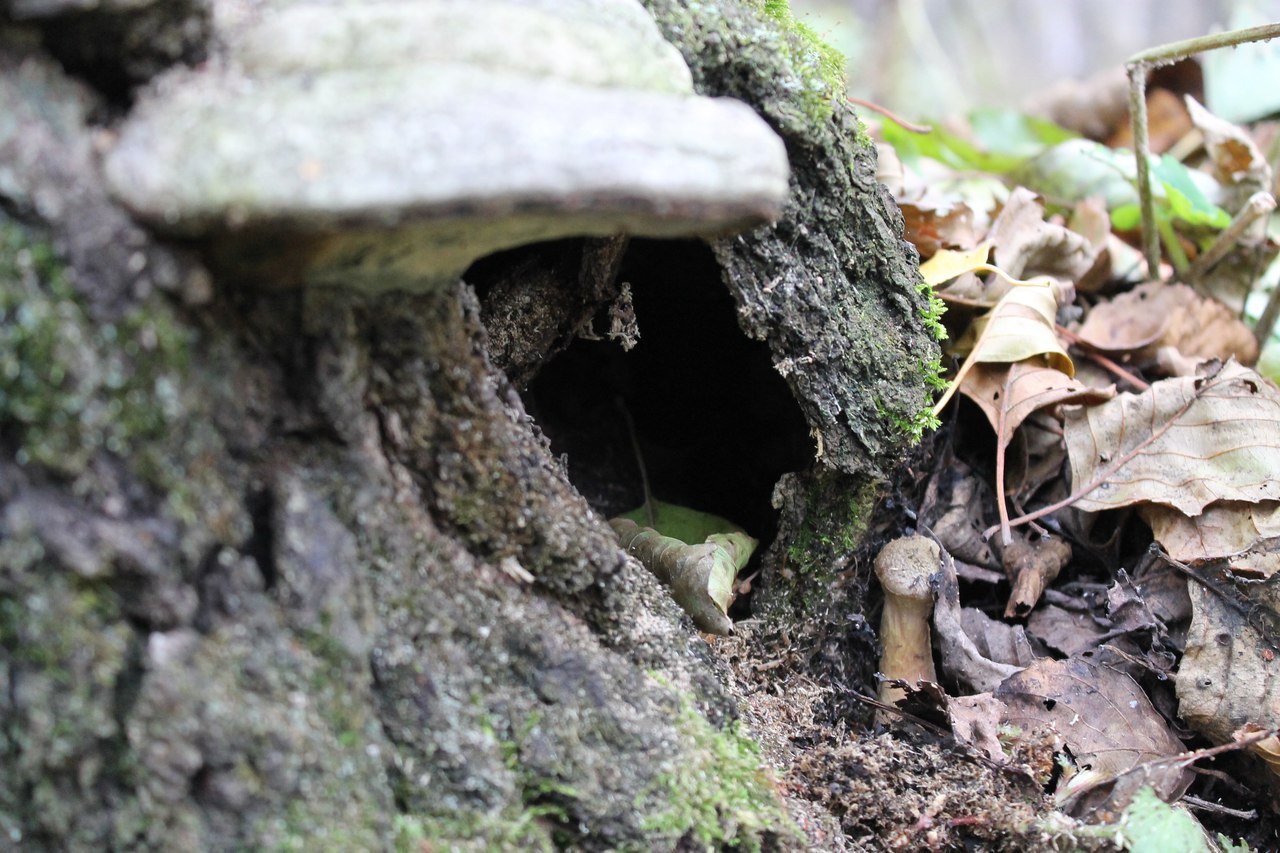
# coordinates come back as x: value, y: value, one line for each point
x: 716, y: 425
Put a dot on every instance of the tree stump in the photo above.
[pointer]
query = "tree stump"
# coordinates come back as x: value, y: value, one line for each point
x: 322, y: 327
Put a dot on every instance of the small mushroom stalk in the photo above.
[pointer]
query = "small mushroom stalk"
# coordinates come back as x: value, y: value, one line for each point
x: 904, y: 567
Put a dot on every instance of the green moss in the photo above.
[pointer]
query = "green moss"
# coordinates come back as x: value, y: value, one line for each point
x: 933, y: 310
x: 69, y: 387
x: 818, y: 65
x: 471, y: 830
x: 719, y: 793
x: 836, y: 513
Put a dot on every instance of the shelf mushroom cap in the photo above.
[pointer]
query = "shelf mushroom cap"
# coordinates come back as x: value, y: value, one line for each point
x: 349, y: 158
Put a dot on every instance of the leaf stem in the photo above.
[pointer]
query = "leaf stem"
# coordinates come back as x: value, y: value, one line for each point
x: 1111, y: 469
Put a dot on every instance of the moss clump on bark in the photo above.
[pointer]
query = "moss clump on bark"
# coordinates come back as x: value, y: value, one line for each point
x: 719, y: 793
x: 69, y: 387
x: 819, y: 66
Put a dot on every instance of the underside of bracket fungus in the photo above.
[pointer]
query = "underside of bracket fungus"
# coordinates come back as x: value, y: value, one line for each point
x: 388, y: 145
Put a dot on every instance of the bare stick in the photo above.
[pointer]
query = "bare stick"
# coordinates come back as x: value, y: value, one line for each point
x: 1258, y: 206
x: 1137, y: 67
x: 1138, y: 119
x: 876, y: 108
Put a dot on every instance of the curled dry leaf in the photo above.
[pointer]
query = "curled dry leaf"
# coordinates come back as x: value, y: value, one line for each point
x: 1185, y: 442
x: 931, y: 228
x: 1155, y: 315
x: 1027, y: 246
x: 1031, y: 565
x: 1009, y: 393
x: 962, y: 661
x: 1268, y: 749
x: 953, y: 507
x: 1237, y: 161
x: 696, y: 554
x: 996, y: 640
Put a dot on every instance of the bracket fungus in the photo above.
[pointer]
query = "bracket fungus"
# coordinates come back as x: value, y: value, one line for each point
x: 904, y: 567
x: 388, y: 145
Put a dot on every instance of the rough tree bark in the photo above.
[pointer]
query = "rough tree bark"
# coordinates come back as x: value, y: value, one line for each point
x: 286, y: 563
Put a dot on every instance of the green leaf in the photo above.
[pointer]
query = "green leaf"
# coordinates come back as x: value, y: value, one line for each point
x: 1126, y: 217
x: 1153, y: 826
x: 1186, y: 200
x: 1005, y: 140
x: 1078, y: 169
x: 1013, y: 134
x: 678, y: 522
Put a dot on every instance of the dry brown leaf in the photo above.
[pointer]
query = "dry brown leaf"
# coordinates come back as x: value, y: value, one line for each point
x: 1068, y: 631
x: 1106, y: 721
x: 975, y: 720
x: 1237, y: 161
x: 996, y: 640
x: 1229, y: 672
x: 1247, y: 534
x: 1009, y: 393
x: 932, y: 228
x: 1167, y: 122
x: 1156, y: 315
x: 1185, y: 442
x: 1027, y: 246
x: 1268, y: 749
x: 953, y: 508
x: 961, y: 660
x: 1094, y: 107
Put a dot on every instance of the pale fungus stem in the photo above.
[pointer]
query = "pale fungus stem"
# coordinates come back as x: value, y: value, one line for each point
x: 904, y: 568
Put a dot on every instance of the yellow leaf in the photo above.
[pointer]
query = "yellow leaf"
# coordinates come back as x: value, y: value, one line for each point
x: 946, y: 264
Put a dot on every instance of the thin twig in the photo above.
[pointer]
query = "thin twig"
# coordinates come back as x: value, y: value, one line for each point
x: 1107, y: 364
x: 876, y: 108
x: 1267, y: 322
x: 1258, y: 206
x: 1141, y: 150
x: 1002, y: 444
x: 1219, y: 808
x: 1137, y: 68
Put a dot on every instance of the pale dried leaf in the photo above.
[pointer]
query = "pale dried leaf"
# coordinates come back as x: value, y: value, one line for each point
x: 1156, y: 315
x: 1019, y: 327
x: 1237, y: 161
x: 975, y: 720
x: 1027, y: 246
x: 996, y: 640
x: 1246, y: 533
x: 1185, y: 442
x: 932, y: 228
x: 1229, y: 674
x: 946, y: 264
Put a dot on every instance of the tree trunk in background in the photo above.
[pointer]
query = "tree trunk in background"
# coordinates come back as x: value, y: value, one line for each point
x: 291, y: 567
